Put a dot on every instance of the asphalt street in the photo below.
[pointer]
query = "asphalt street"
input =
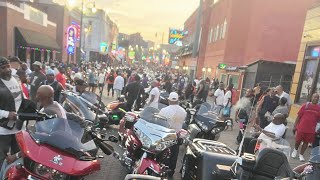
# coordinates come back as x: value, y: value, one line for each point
x: 111, y: 169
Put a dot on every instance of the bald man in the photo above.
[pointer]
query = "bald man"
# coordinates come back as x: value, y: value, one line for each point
x: 44, y: 96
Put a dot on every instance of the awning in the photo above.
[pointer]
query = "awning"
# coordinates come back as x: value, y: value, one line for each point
x: 35, y: 39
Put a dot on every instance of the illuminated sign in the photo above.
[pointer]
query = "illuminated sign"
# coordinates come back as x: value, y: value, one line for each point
x: 71, y: 39
x: 131, y: 55
x: 77, y: 27
x: 222, y: 66
x: 103, y: 47
x: 176, y: 36
x: 315, y: 51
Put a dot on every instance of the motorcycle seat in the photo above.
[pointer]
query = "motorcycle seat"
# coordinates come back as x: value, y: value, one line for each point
x: 271, y: 163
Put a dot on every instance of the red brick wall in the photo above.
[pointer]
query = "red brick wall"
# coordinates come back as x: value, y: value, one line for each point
x: 16, y: 19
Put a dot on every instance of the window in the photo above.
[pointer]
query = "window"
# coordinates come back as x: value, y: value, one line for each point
x: 234, y: 79
x: 221, y: 31
x: 224, y: 28
x: 210, y: 35
x: 217, y: 34
x: 223, y: 78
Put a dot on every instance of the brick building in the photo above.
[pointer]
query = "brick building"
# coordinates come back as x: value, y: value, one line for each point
x: 27, y: 32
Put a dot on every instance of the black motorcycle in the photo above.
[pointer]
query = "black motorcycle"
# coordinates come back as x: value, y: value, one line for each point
x: 86, y: 105
x: 204, y: 123
x: 206, y: 160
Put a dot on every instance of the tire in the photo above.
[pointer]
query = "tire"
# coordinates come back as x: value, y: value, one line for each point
x: 184, y: 168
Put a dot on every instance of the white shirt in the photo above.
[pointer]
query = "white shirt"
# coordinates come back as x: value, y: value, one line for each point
x: 118, y: 83
x: 15, y: 90
x: 156, y: 92
x: 219, y: 94
x: 101, y: 78
x: 226, y: 98
x: 175, y: 114
x: 278, y: 130
x: 287, y: 96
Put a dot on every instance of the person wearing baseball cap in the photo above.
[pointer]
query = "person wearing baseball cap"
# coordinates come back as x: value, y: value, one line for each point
x: 176, y: 116
x: 56, y: 86
x: 36, y: 78
x: 11, y: 100
x: 15, y: 65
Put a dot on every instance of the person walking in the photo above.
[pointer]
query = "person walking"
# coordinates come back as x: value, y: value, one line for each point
x: 110, y: 80
x: 133, y: 92
x: 243, y: 112
x: 218, y: 99
x: 280, y: 93
x: 305, y: 126
x: 23, y: 82
x: 227, y: 102
x: 154, y: 95
x: 101, y: 79
x: 36, y: 78
x: 118, y: 85
x: 266, y: 107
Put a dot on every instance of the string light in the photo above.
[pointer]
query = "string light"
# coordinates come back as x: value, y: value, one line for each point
x: 37, y: 49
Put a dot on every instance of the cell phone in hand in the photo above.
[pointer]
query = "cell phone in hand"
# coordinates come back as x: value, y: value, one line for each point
x: 11, y: 124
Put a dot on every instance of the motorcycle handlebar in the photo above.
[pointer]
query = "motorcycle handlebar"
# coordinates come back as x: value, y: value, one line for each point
x: 38, y: 116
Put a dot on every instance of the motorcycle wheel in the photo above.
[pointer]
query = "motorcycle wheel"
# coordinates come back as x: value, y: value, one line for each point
x: 184, y: 169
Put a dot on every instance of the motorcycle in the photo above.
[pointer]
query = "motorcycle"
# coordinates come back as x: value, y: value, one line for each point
x: 117, y: 110
x: 147, y: 139
x: 86, y: 105
x: 204, y: 123
x: 206, y: 160
x: 53, y: 149
x: 311, y: 170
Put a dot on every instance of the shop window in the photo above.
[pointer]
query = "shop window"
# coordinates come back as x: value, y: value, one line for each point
x: 223, y: 78
x: 306, y: 81
x: 234, y: 79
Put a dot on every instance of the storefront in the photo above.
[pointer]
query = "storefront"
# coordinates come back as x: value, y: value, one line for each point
x: 306, y: 79
x: 34, y: 46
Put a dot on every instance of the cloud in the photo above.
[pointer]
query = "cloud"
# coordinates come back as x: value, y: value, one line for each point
x: 148, y: 16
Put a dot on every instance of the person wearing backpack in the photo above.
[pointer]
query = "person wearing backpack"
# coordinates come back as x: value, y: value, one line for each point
x: 110, y: 80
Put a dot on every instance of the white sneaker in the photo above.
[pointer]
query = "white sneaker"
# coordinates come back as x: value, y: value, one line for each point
x: 301, y: 158
x: 294, y: 153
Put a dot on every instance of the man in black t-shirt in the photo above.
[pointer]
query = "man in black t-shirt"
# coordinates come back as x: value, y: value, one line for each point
x: 133, y: 92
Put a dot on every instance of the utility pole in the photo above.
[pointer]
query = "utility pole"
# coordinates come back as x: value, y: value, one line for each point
x: 195, y: 50
x: 80, y: 43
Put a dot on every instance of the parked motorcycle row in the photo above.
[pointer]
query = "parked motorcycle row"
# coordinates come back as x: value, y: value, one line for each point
x: 59, y: 149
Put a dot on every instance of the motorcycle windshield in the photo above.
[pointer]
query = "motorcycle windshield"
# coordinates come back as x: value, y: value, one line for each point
x: 151, y: 115
x: 62, y: 134
x: 91, y: 97
x: 315, y: 155
x: 205, y: 116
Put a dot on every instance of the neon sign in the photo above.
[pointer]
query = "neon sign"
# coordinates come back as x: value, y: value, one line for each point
x: 176, y: 36
x: 71, y: 39
x: 103, y: 47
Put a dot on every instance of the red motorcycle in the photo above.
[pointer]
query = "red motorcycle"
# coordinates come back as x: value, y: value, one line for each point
x: 56, y: 149
x: 147, y: 139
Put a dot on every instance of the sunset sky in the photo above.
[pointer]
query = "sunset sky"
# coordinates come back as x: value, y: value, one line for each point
x: 149, y: 16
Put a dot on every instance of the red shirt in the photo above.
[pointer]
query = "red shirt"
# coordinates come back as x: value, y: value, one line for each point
x: 309, y: 116
x: 25, y: 90
x: 61, y: 79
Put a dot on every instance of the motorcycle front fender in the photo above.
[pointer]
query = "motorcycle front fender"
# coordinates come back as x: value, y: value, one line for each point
x: 149, y: 163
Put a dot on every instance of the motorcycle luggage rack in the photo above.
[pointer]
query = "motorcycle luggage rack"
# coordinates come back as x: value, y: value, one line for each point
x: 214, y: 146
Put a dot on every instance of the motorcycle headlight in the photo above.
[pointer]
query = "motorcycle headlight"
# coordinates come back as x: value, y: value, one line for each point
x: 48, y: 173
x: 145, y: 140
x: 203, y: 126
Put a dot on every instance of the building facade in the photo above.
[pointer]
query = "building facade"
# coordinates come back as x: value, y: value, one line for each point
x: 306, y: 79
x: 27, y: 32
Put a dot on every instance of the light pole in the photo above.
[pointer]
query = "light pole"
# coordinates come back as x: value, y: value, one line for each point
x: 81, y: 27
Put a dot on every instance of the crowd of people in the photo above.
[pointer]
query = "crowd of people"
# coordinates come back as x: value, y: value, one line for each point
x: 44, y: 84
